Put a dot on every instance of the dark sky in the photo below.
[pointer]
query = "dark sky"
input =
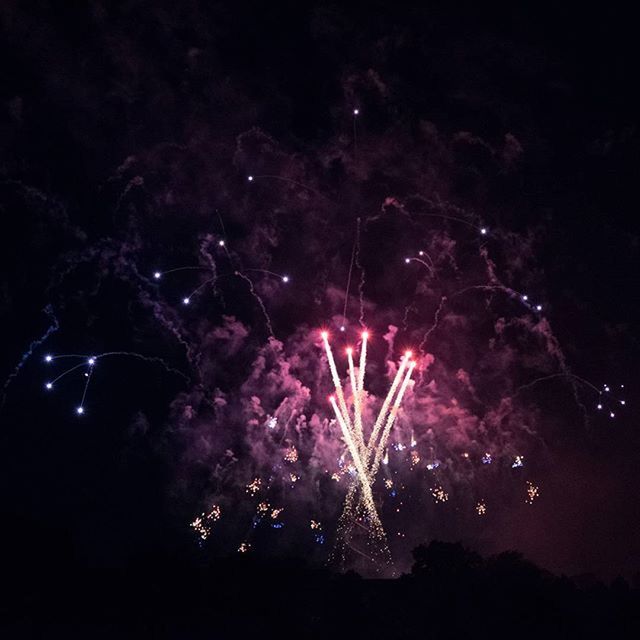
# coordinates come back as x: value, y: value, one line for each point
x: 128, y: 132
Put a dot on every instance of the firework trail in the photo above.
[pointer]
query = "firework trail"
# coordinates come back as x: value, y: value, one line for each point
x: 90, y: 362
x: 362, y: 275
x: 346, y: 295
x: 259, y: 300
x: 52, y: 328
x: 434, y: 326
x: 366, y: 457
x: 251, y: 178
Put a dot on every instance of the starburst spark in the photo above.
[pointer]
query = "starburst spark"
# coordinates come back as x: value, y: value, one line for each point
x: 439, y: 494
x: 481, y: 508
x: 253, y: 487
x: 291, y: 455
x: 202, y: 524
x: 533, y: 492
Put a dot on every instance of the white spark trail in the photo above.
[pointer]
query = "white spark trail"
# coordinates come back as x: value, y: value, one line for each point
x: 366, y: 457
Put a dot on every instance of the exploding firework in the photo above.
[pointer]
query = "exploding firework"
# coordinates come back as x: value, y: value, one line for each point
x: 366, y: 454
x: 464, y: 426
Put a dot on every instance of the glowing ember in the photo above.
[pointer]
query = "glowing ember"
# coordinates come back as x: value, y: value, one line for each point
x: 439, y: 494
x: 533, y: 492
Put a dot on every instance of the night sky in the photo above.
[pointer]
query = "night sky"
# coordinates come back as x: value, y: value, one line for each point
x: 503, y: 144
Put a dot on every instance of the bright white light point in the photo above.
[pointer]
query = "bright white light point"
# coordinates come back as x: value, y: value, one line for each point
x: 408, y: 354
x: 250, y: 178
x: 285, y: 278
x: 356, y: 112
x: 365, y: 335
x: 91, y: 361
x: 48, y: 385
x: 420, y: 253
x: 483, y: 231
x: 623, y: 402
x: 331, y: 398
x: 612, y: 415
x: 48, y: 358
x: 324, y: 335
x: 157, y: 275
x: 407, y: 260
x: 342, y: 328
x: 80, y: 410
x: 185, y: 301
x: 538, y: 307
x: 349, y: 351
x: 221, y: 243
x: 606, y: 388
x: 599, y: 406
x: 525, y: 298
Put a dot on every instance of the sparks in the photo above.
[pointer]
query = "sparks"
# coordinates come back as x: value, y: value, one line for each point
x: 254, y: 486
x: 202, y: 524
x: 439, y: 494
x: 366, y: 455
x: 533, y: 492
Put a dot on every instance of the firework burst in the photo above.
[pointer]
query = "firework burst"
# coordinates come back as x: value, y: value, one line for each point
x: 366, y: 454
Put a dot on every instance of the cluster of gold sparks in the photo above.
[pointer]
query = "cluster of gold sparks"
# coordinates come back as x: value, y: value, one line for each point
x: 254, y: 486
x: 439, y: 494
x: 366, y: 453
x: 202, y: 524
x: 533, y: 492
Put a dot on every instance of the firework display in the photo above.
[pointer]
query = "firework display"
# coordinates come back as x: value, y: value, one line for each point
x: 286, y: 428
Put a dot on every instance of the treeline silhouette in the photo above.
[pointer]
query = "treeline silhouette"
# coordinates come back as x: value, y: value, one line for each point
x: 451, y: 592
